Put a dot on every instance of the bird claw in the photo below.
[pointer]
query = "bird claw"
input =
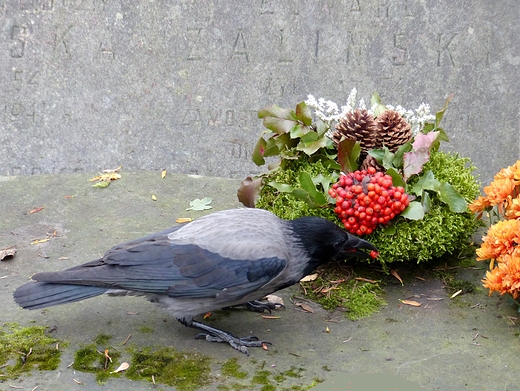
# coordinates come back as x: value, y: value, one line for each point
x: 262, y: 306
x: 240, y: 344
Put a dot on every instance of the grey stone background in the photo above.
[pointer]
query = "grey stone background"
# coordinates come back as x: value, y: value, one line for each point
x: 94, y: 84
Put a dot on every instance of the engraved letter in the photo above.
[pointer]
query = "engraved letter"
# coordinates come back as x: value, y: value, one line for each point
x: 444, y: 47
x: 18, y: 46
x: 240, y: 47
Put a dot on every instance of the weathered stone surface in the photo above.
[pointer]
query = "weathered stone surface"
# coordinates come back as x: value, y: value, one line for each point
x: 91, y: 84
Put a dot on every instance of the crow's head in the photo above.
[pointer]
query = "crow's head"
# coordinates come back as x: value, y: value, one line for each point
x: 325, y: 241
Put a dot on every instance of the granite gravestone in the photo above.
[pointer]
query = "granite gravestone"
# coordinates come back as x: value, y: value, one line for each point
x: 94, y: 84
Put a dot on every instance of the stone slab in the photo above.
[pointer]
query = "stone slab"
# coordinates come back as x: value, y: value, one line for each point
x: 466, y: 343
x: 94, y: 84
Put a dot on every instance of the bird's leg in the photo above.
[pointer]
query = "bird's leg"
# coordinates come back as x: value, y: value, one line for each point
x: 213, y: 334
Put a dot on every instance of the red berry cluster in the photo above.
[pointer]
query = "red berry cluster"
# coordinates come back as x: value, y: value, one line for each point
x: 365, y: 199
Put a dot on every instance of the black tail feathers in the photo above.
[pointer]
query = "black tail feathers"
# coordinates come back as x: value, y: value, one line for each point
x: 35, y: 295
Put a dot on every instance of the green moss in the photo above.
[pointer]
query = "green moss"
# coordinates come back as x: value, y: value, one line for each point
x: 26, y: 348
x: 182, y: 370
x: 96, y: 358
x: 145, y: 329
x: 102, y: 339
x: 232, y: 368
x: 440, y: 232
x: 360, y: 298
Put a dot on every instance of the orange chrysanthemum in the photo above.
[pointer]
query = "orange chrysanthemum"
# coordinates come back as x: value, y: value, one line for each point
x: 502, y: 238
x: 512, y: 208
x: 479, y: 205
x: 498, y: 190
x: 505, y: 278
x: 511, y: 172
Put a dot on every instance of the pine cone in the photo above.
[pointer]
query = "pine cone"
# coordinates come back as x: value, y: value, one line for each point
x: 336, y: 136
x: 371, y: 161
x: 393, y: 130
x: 359, y: 125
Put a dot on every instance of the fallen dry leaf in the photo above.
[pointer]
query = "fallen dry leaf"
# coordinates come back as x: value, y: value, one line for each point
x: 127, y: 339
x: 77, y: 381
x: 106, y: 177
x: 123, y: 367
x: 327, y: 330
x: 7, y: 252
x: 456, y: 294
x: 365, y: 280
x: 394, y: 273
x: 305, y: 307
x: 411, y: 302
x: 264, y: 346
x: 163, y: 174
x: 182, y: 220
x: 154, y: 198
x: 310, y: 277
x: 36, y: 210
x: 270, y: 317
x: 207, y: 315
x: 114, y: 170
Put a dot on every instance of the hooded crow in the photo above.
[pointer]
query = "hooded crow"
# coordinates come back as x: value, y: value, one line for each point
x: 224, y: 259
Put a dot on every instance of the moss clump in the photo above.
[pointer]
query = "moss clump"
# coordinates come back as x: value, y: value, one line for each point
x: 96, y: 358
x: 232, y: 368
x: 441, y: 231
x: 360, y: 298
x: 25, y: 348
x: 182, y: 370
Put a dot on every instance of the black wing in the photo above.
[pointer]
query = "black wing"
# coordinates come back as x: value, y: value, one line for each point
x: 154, y: 265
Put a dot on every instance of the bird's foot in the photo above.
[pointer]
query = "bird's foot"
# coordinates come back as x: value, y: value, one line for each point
x: 213, y: 334
x: 262, y: 306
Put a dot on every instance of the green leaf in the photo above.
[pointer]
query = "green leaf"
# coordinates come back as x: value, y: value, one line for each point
x: 348, y: 154
x: 279, y: 125
x: 375, y: 102
x: 427, y: 181
x: 304, y: 196
x: 397, y: 179
x: 426, y: 201
x: 200, y: 204
x: 440, y: 114
x: 414, y: 211
x: 101, y: 184
x: 309, y: 137
x: 277, y: 112
x: 258, y: 152
x: 398, y: 157
x: 378, y: 154
x: 304, y: 113
x: 388, y: 158
x: 321, y: 127
x: 452, y: 198
x: 442, y: 135
x: 306, y: 183
x: 299, y: 131
x: 311, y: 147
x: 281, y: 187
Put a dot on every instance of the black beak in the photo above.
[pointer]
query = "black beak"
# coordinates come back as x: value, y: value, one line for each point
x: 354, y: 245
